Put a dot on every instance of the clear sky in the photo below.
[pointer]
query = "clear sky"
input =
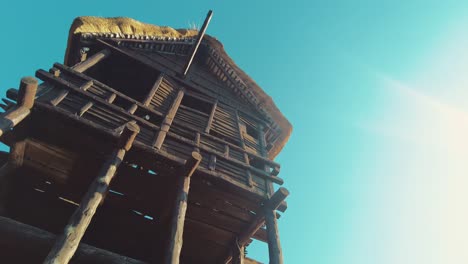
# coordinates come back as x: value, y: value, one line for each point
x: 376, y: 92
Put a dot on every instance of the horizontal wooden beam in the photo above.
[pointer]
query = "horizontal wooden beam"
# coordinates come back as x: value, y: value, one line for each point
x: 21, y: 243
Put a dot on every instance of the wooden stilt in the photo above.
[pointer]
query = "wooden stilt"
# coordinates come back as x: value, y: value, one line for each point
x: 67, y: 243
x: 26, y: 96
x: 269, y: 206
x: 238, y: 256
x: 180, y: 208
x: 274, y: 245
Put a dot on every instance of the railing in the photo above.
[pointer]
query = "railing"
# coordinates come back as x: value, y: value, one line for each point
x: 99, y: 103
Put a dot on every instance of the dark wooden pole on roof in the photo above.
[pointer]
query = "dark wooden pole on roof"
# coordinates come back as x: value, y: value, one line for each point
x: 180, y: 208
x: 67, y: 243
x: 25, y: 101
x: 201, y: 33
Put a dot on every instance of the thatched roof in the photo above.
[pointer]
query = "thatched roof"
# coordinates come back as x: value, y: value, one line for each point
x: 127, y: 26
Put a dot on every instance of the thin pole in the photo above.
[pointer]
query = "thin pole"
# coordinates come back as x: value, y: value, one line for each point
x: 201, y: 33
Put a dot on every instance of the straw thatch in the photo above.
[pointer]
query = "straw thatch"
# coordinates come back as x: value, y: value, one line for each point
x: 129, y: 26
x: 125, y: 25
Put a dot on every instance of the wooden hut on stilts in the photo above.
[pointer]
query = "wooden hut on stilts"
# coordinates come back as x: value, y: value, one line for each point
x: 148, y: 145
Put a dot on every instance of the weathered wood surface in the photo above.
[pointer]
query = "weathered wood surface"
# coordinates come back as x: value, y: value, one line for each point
x: 80, y: 67
x: 25, y: 101
x: 21, y: 243
x: 166, y: 124
x: 68, y: 242
x: 178, y: 217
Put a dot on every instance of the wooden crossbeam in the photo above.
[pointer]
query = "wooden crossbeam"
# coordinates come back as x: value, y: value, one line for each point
x: 81, y: 67
x: 21, y: 243
x: 25, y: 101
x: 67, y: 243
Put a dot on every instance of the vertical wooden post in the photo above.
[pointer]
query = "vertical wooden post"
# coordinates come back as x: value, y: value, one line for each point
x: 67, y: 243
x: 274, y: 245
x: 238, y: 256
x: 180, y: 208
x: 167, y: 122
x: 241, y: 129
x: 25, y: 101
x: 210, y: 120
x: 15, y: 160
x: 153, y: 90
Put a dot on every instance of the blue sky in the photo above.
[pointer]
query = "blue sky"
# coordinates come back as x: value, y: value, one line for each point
x: 376, y: 92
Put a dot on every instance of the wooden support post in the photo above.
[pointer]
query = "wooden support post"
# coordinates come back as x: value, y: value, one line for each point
x: 67, y: 243
x: 274, y: 244
x: 241, y: 129
x: 15, y: 160
x: 25, y: 101
x: 167, y: 122
x: 153, y: 90
x: 269, y: 206
x: 210, y: 120
x: 201, y: 33
x: 81, y: 67
x: 238, y: 255
x: 180, y: 208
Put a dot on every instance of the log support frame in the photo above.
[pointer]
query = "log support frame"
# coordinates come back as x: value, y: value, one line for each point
x: 67, y: 243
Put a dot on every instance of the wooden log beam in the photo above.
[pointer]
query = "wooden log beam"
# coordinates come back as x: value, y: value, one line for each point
x: 67, y: 243
x: 81, y: 67
x: 180, y: 208
x: 201, y: 33
x: 91, y: 61
x: 238, y: 256
x: 167, y: 122
x: 21, y: 243
x: 153, y: 90
x: 25, y: 101
x: 210, y: 120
